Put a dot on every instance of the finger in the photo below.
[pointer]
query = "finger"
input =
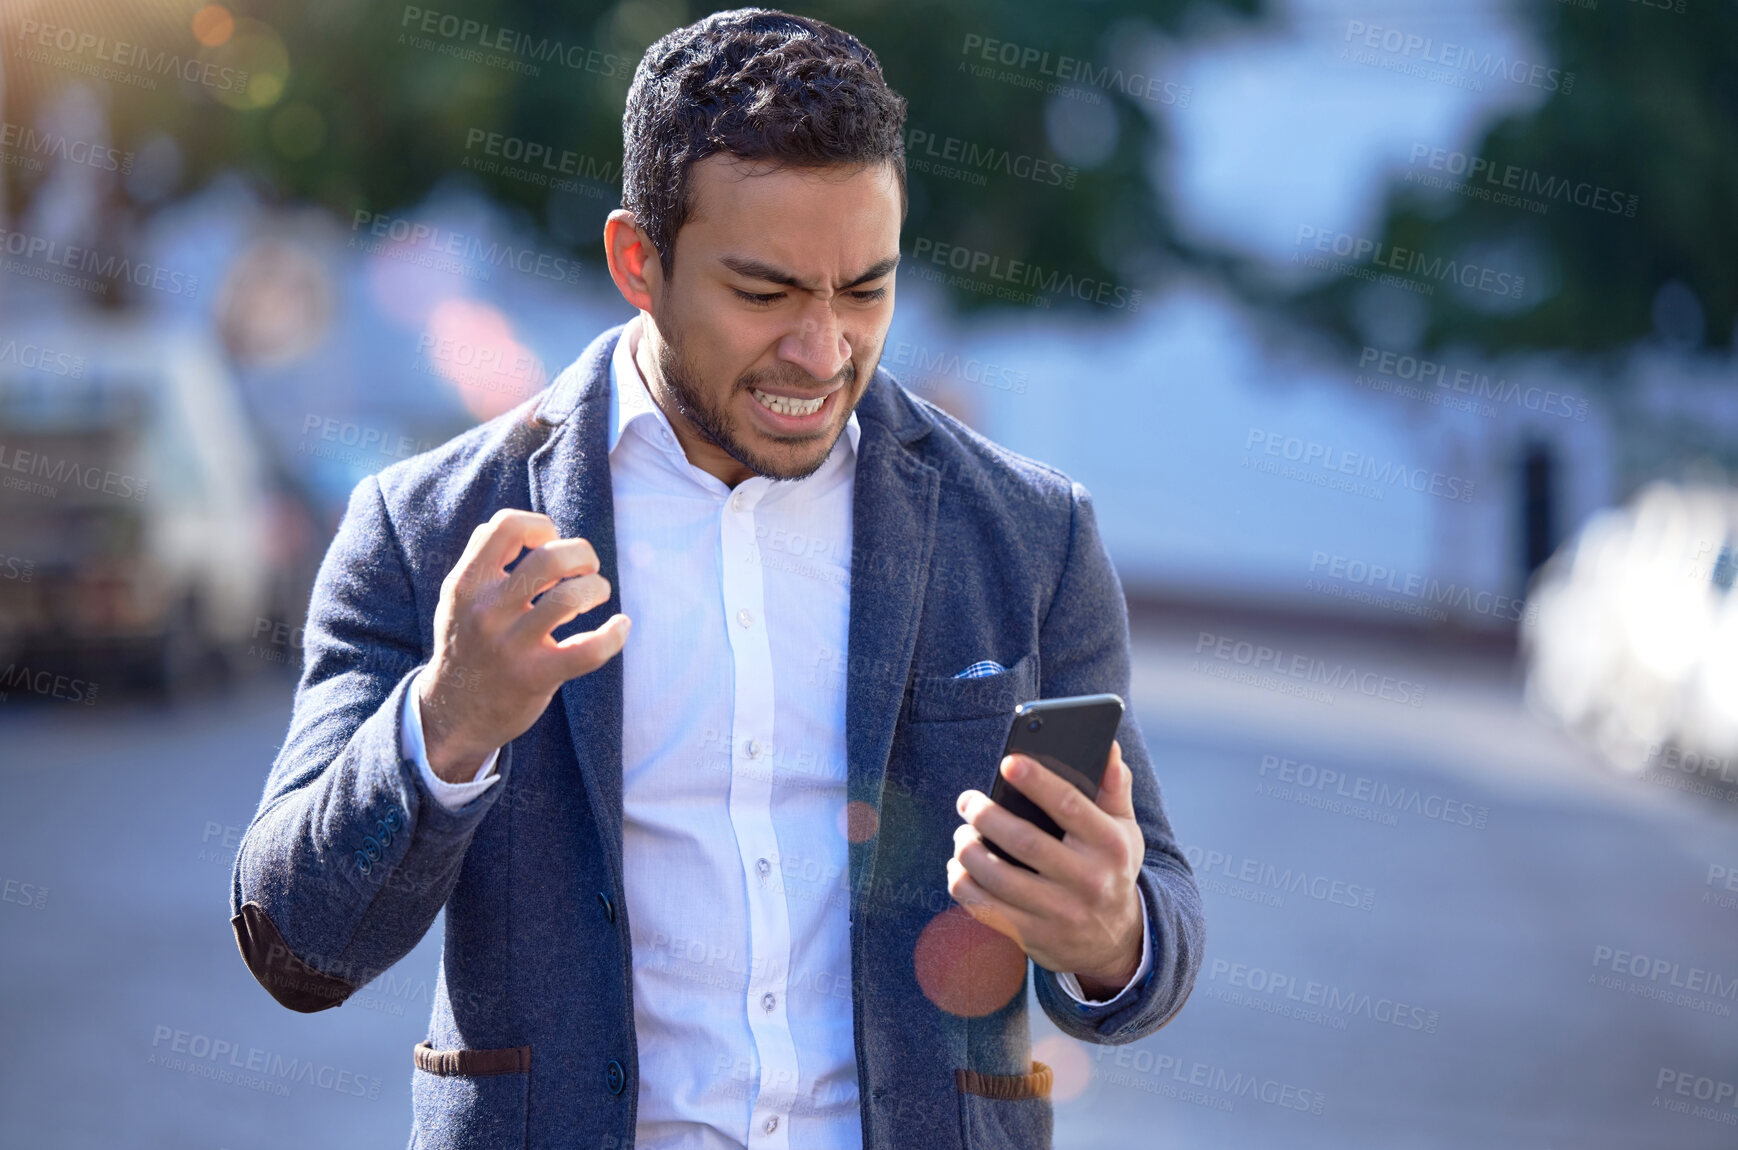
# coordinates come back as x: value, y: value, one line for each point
x: 982, y: 906
x: 548, y: 565
x: 507, y: 533
x: 1060, y: 799
x: 585, y: 652
x: 1025, y: 840
x: 1116, y: 791
x: 561, y: 603
x: 1005, y: 882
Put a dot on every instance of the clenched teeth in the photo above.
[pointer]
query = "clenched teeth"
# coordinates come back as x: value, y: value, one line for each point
x: 784, y: 405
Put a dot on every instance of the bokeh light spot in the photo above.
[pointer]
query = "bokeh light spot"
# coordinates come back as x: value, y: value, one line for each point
x: 966, y: 968
x: 213, y: 25
x: 861, y: 821
x: 1068, y: 1061
x: 252, y: 66
x: 472, y: 346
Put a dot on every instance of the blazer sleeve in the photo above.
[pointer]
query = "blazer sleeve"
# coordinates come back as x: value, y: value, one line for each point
x: 349, y: 857
x: 1084, y: 650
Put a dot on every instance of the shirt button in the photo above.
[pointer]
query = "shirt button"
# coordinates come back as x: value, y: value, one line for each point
x: 752, y: 748
x: 764, y: 867
x: 771, y: 1124
x: 768, y: 1000
x: 736, y: 501
x: 745, y: 617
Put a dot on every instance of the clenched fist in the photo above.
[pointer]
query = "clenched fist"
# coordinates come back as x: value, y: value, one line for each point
x: 488, y: 634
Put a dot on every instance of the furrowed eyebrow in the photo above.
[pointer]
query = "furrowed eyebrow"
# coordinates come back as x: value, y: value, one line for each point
x: 754, y: 269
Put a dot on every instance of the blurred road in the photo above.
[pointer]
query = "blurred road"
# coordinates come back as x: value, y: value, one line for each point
x: 1435, y: 945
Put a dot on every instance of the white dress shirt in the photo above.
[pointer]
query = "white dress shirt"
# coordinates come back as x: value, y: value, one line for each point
x: 735, y: 859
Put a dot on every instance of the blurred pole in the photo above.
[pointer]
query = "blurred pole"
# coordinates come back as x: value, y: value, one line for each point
x: 1538, y: 494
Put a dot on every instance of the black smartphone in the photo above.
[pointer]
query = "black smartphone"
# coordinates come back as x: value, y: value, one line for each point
x: 1070, y: 737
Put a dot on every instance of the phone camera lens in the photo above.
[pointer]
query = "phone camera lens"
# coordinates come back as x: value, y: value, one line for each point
x: 1034, y: 724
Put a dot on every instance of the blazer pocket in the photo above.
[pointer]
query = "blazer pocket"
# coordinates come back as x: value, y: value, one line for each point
x: 943, y: 698
x: 1010, y: 1111
x: 470, y: 1099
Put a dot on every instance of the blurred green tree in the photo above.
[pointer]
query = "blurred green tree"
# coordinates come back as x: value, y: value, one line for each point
x: 370, y: 106
x: 1650, y: 127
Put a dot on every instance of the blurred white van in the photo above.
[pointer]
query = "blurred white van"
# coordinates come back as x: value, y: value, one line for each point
x: 134, y: 510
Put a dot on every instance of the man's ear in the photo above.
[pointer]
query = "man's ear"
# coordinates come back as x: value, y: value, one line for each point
x: 633, y: 261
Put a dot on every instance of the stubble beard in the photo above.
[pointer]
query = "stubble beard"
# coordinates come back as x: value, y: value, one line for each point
x: 717, y: 426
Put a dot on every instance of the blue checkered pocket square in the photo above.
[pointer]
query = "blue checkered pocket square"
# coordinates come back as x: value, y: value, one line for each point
x: 982, y: 669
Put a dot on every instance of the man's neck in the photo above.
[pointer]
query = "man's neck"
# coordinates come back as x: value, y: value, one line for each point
x: 699, y: 451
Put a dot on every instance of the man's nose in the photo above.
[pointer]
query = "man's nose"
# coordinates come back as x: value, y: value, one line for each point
x: 818, y: 346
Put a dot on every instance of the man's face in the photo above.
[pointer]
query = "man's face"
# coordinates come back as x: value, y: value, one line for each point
x: 769, y: 331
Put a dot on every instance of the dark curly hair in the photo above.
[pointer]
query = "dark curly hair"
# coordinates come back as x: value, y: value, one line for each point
x: 759, y: 84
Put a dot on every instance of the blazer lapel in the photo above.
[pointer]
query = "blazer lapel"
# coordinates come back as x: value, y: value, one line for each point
x: 570, y: 483
x: 893, y: 510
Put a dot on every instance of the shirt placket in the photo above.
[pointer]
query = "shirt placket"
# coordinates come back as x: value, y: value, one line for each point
x: 751, y: 782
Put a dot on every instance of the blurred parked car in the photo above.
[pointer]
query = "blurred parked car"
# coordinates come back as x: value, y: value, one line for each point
x: 1634, y: 643
x: 134, y: 513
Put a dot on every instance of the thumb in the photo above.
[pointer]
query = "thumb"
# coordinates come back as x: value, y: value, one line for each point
x: 1116, y: 791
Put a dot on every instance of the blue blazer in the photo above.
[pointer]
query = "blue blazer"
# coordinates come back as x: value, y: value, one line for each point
x: 962, y: 551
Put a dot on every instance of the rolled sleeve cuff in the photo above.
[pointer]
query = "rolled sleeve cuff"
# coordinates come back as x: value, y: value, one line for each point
x: 452, y: 796
x: 1071, y: 984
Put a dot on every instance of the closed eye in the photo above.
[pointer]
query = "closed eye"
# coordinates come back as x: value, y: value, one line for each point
x: 761, y: 300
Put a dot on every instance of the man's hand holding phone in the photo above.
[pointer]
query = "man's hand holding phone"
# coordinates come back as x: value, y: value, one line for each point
x: 496, y: 666
x: 1080, y: 912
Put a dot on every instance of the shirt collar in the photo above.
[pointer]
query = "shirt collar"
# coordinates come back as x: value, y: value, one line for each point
x: 631, y: 404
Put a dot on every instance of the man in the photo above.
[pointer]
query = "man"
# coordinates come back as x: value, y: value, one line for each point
x: 838, y: 594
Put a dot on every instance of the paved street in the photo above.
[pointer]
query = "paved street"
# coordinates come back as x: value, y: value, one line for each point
x: 1424, y: 925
